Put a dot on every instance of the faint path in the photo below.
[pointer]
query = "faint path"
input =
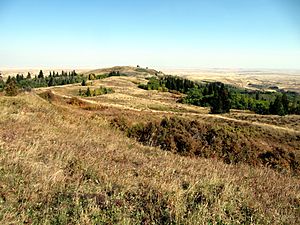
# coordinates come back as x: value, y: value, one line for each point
x: 182, y: 113
x: 258, y: 124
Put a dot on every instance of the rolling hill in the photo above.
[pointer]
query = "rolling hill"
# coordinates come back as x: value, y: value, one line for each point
x: 135, y: 156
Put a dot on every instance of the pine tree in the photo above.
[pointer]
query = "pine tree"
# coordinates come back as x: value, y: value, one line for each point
x: 83, y: 83
x: 285, y: 103
x: 225, y: 98
x: 51, y: 82
x: 41, y: 74
x: 257, y: 95
x: 18, y: 78
x: 2, y: 84
x: 276, y: 107
x: 88, y: 92
x: 8, y: 79
x: 220, y: 101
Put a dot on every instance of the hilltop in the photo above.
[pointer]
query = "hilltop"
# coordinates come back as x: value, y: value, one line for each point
x: 126, y: 70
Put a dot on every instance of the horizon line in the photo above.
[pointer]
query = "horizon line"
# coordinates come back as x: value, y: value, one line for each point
x: 150, y: 67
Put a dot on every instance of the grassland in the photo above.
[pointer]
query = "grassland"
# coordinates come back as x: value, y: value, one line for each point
x: 63, y: 161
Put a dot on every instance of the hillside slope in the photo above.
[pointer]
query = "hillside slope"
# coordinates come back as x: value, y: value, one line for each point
x: 62, y: 161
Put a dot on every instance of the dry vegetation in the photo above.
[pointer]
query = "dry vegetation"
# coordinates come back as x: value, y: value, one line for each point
x: 231, y: 142
x: 62, y: 162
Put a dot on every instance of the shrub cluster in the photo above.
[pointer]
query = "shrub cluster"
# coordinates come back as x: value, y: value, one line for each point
x: 95, y: 92
x: 194, y: 138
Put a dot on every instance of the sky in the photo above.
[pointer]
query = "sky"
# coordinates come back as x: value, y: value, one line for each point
x: 153, y: 33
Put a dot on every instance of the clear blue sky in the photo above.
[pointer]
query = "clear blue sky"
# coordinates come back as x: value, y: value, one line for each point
x: 154, y: 33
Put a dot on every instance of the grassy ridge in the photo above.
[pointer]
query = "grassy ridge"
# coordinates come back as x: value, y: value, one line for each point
x: 62, y: 164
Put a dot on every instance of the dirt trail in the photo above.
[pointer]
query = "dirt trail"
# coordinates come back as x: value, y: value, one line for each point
x: 257, y: 124
x: 183, y: 113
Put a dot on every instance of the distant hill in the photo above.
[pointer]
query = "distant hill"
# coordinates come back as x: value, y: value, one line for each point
x: 128, y: 70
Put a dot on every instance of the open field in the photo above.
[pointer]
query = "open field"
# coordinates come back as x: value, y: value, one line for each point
x: 66, y: 159
x: 252, y: 79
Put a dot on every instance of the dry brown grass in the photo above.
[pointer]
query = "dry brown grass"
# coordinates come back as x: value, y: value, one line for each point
x: 289, y: 121
x: 63, y: 164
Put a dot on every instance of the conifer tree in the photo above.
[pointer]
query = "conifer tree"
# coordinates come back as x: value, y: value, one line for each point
x: 8, y: 79
x: 51, y: 82
x: 41, y: 74
x: 276, y: 107
x: 88, y: 92
x: 2, y: 84
x: 257, y: 95
x: 220, y: 101
x: 285, y: 103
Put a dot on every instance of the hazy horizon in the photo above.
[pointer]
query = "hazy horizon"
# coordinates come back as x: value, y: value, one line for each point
x: 144, y: 66
x: 230, y: 34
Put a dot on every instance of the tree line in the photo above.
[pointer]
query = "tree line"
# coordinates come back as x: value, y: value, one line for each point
x: 25, y: 83
x: 221, y: 98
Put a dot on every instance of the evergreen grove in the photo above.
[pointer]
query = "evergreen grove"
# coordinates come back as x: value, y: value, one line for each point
x: 40, y: 80
x: 221, y: 98
x: 25, y: 83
